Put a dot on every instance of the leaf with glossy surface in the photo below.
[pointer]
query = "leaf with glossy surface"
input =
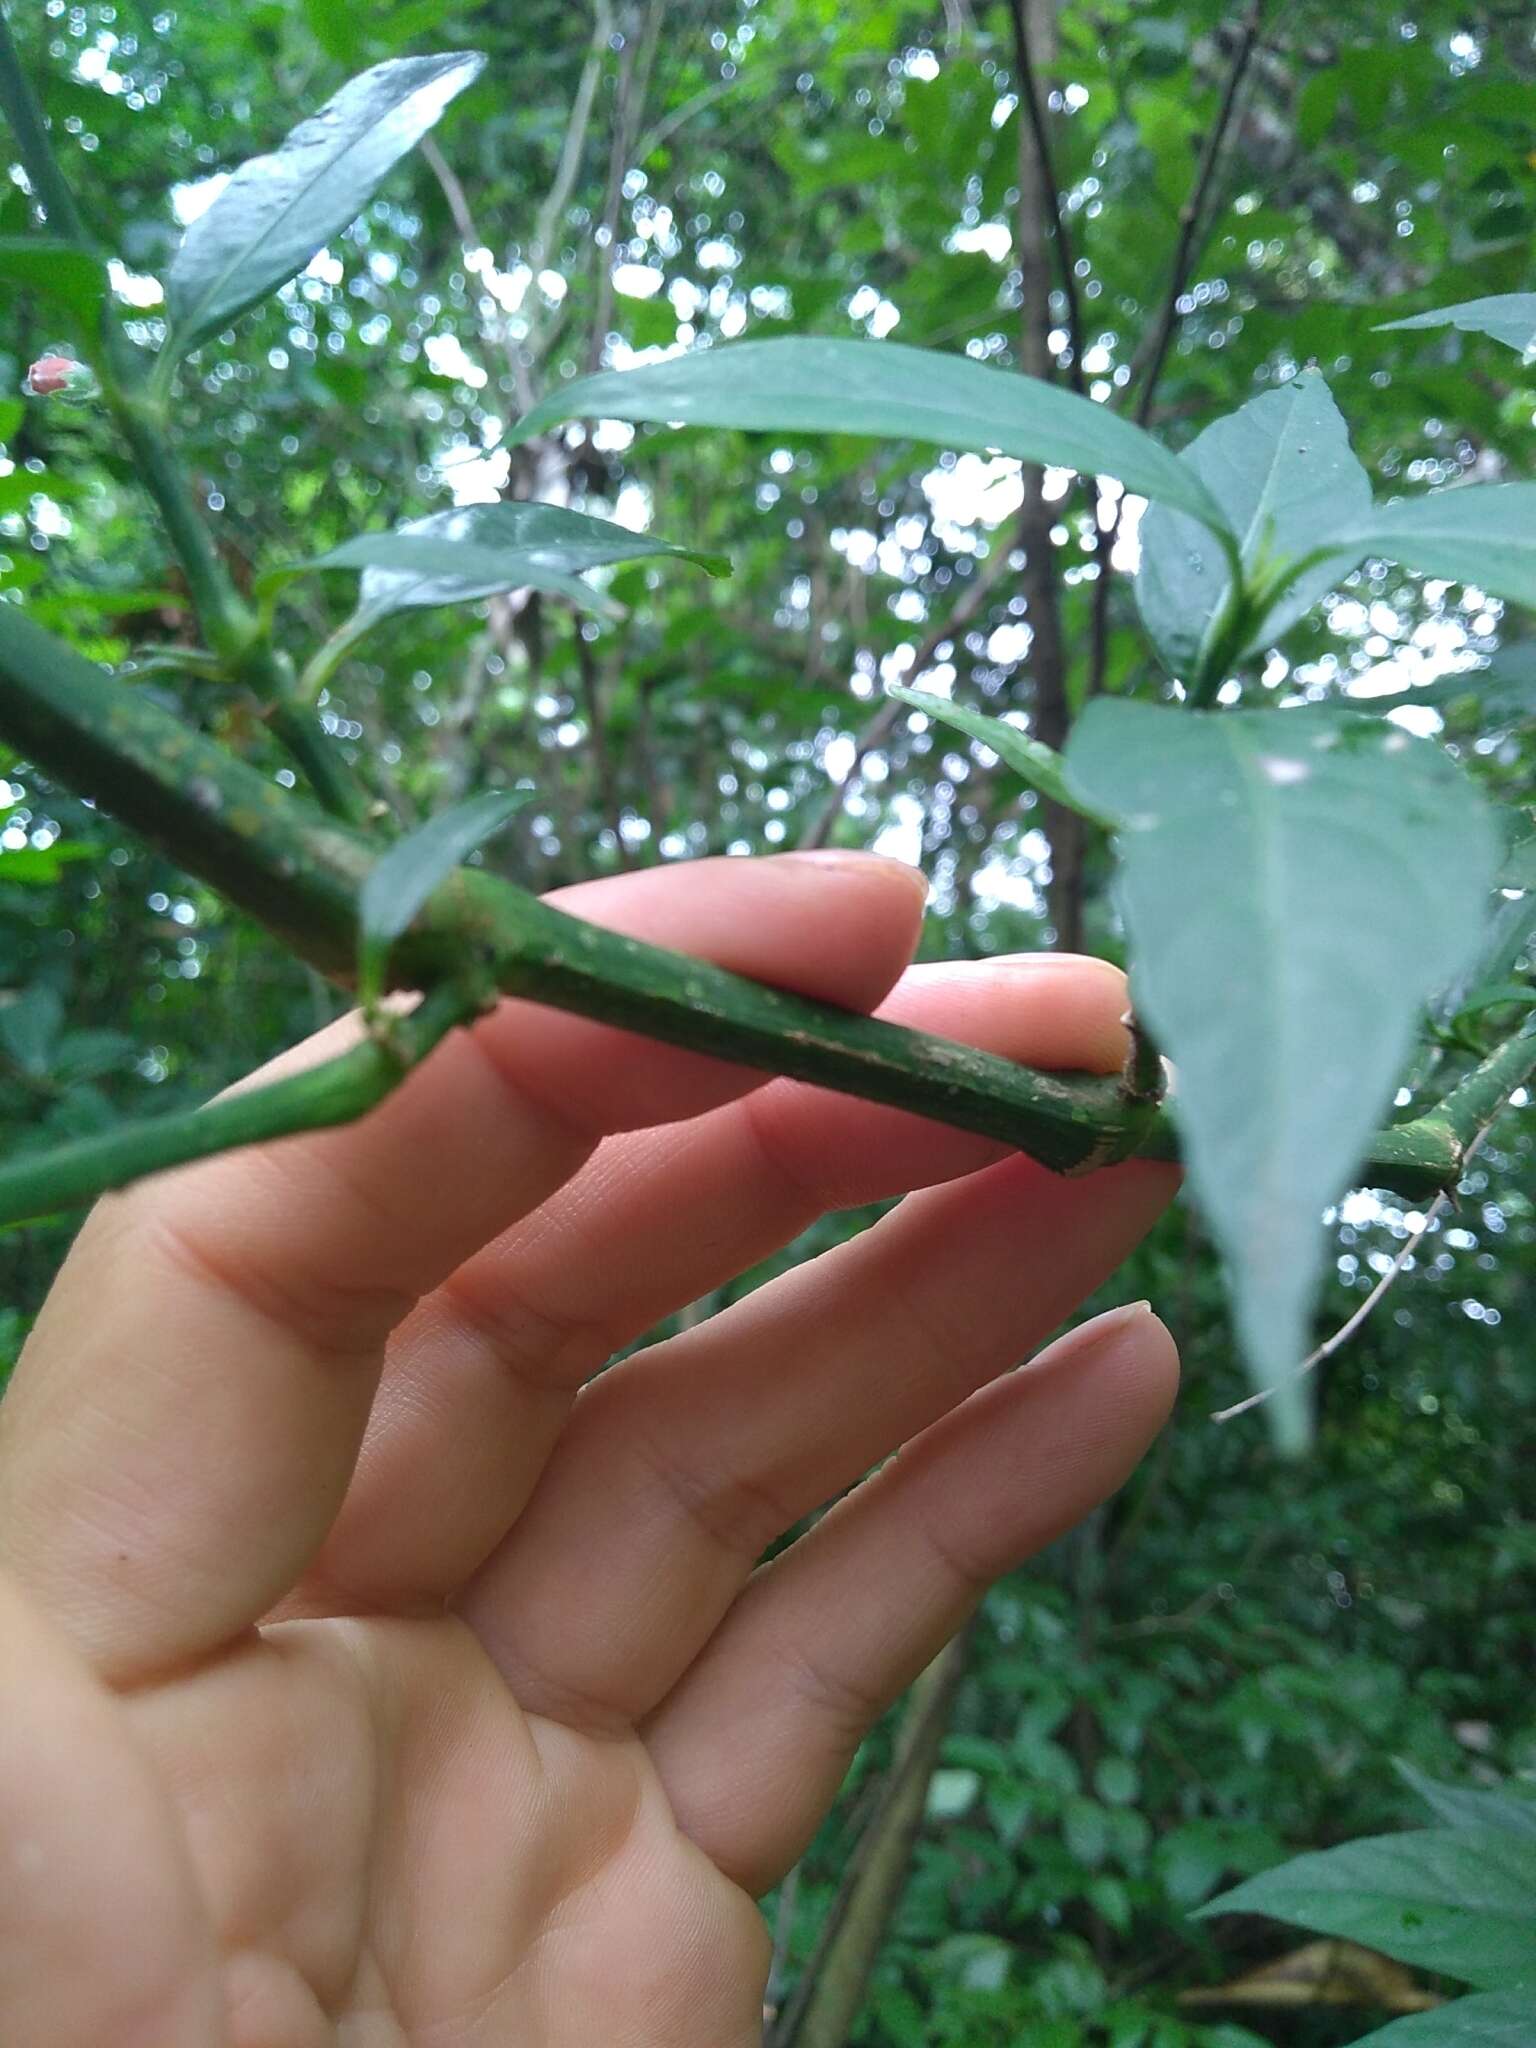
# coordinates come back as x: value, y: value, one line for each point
x: 1489, y: 2019
x: 1283, y: 472
x: 278, y: 210
x: 1451, y: 1899
x: 1482, y: 534
x: 477, y: 551
x: 399, y: 883
x: 1040, y: 766
x: 66, y: 276
x: 805, y: 384
x: 1509, y: 317
x: 1295, y: 885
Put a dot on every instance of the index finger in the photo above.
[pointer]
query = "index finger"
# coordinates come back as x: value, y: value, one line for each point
x: 185, y: 1419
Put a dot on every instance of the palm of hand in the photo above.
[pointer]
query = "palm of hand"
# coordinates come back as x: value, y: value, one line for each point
x: 387, y: 1849
x: 380, y: 1676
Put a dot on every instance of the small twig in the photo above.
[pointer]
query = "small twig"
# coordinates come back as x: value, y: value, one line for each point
x: 1195, y: 221
x: 1192, y: 216
x: 629, y: 104
x: 1034, y: 114
x: 891, y: 712
x: 828, y: 1997
x: 336, y: 1093
x: 1342, y: 1335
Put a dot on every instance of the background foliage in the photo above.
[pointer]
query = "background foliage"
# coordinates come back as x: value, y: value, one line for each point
x: 1220, y: 1670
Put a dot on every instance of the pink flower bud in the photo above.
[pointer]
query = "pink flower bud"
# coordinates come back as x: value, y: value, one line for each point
x: 50, y: 374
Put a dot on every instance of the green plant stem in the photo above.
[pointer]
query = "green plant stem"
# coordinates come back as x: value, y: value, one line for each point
x: 334, y: 1093
x: 139, y: 408
x: 1476, y: 1100
x: 300, y: 872
x: 20, y: 106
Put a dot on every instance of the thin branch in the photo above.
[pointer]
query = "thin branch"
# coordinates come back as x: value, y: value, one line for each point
x: 500, y: 332
x: 1342, y: 1335
x: 666, y: 128
x: 830, y: 1993
x: 24, y: 112
x: 889, y: 715
x: 1196, y: 218
x: 1034, y: 114
x: 1192, y: 218
x: 575, y: 140
x: 519, y: 357
x: 1039, y: 582
x: 629, y: 104
x: 229, y: 626
x: 335, y: 1093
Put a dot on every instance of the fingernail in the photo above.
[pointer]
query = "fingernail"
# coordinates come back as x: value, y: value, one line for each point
x: 1113, y: 1319
x: 841, y: 860
x: 1045, y: 963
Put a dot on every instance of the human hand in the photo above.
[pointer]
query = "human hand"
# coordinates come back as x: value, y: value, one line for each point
x: 366, y: 1681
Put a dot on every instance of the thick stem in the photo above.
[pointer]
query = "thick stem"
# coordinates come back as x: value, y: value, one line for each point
x: 1477, y: 1099
x: 299, y: 873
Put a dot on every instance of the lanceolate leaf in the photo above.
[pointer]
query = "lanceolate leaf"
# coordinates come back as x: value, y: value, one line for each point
x: 401, y: 881
x: 1503, y: 691
x: 1473, y: 1805
x: 1484, y: 534
x: 1295, y: 886
x: 1510, y: 318
x: 477, y: 550
x: 803, y: 384
x: 1041, y: 766
x: 1284, y: 474
x: 65, y: 276
x: 1490, y: 2019
x: 277, y: 210
x: 1451, y: 1899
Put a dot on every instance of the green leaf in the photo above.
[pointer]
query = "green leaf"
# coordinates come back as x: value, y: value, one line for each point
x: 1502, y: 941
x: 805, y: 384
x: 1509, y: 317
x: 475, y: 551
x: 1117, y: 1780
x: 1491, y: 2019
x: 1295, y: 885
x: 1470, y: 1805
x: 398, y: 884
x: 1283, y: 472
x: 951, y: 1793
x: 1451, y: 1899
x: 1483, y: 534
x: 1502, y: 693
x: 1041, y: 766
x: 69, y: 277
x: 1519, y: 869
x: 278, y: 210
x: 82, y: 1055
x: 29, y: 1027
